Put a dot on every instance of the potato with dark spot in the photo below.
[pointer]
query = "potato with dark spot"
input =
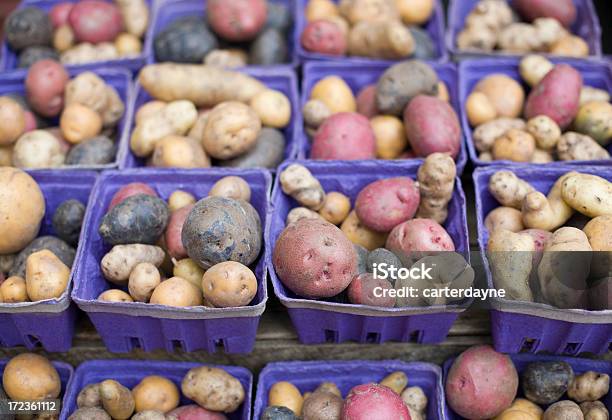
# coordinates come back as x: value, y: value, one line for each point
x: 563, y: 410
x: 89, y: 413
x: 213, y: 389
x: 275, y: 412
x: 67, y: 220
x: 116, y: 399
x: 30, y: 376
x: 61, y: 249
x: 27, y: 27
x: 231, y: 130
x: 98, y: 150
x: 143, y: 280
x: 322, y: 406
x: 545, y: 382
x: 267, y: 153
x: 229, y: 284
x: 45, y: 84
x: 89, y: 396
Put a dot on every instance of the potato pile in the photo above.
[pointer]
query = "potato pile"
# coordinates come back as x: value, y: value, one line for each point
x: 213, y: 390
x: 395, y: 221
x: 531, y: 233
x: 204, y: 248
x: 32, y: 267
x: 493, y: 25
x: 201, y: 113
x: 391, y: 398
x: 78, y: 33
x: 88, y: 109
x: 493, y: 388
x: 370, y: 126
x: 385, y: 29
x: 30, y: 377
x: 232, y: 34
x: 561, y: 118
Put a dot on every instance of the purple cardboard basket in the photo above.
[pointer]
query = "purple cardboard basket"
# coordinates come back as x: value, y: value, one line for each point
x: 129, y: 373
x: 124, y: 326
x: 586, y: 26
x: 120, y: 79
x: 167, y: 11
x: 435, y: 29
x: 537, y: 327
x: 9, y: 58
x: 521, y: 361
x: 281, y: 79
x: 49, y: 323
x: 595, y: 73
x: 319, y: 321
x: 358, y: 77
x: 307, y: 376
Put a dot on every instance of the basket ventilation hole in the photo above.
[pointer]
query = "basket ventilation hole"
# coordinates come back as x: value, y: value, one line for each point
x: 373, y: 338
x: 219, y: 344
x: 331, y: 336
x: 416, y: 336
x: 529, y: 345
x: 135, y: 342
x: 572, y: 348
x: 177, y: 345
x: 33, y: 341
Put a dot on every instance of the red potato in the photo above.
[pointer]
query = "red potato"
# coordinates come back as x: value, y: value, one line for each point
x: 324, y: 37
x: 411, y: 239
x: 95, y: 21
x: 556, y: 96
x: 174, y: 242
x: 539, y: 237
x: 129, y: 190
x: 344, y: 136
x: 45, y: 84
x: 314, y: 258
x: 386, y: 203
x: 237, y: 20
x: 374, y: 402
x: 366, y: 101
x: 481, y: 383
x: 194, y: 412
x: 361, y: 291
x: 59, y: 14
x: 562, y: 10
x: 432, y: 126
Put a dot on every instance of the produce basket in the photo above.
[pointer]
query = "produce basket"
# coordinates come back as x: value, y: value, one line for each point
x: 595, y: 73
x: 9, y: 58
x: 283, y: 80
x: 125, y: 326
x: 537, y: 327
x: 357, y: 77
x: 307, y: 376
x: 522, y: 360
x: 320, y: 321
x: 48, y: 323
x: 586, y: 26
x: 435, y: 28
x: 168, y: 11
x: 130, y: 372
x: 120, y: 79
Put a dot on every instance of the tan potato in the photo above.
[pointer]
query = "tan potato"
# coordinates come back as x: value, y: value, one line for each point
x: 415, y: 398
x: 227, y: 59
x: 190, y: 271
x: 119, y: 262
x: 508, y: 189
x: 520, y: 409
x: 149, y: 109
x: 231, y: 187
x: 29, y: 376
x: 591, y: 94
x: 505, y: 94
x: 479, y: 38
x: 12, y: 121
x: 197, y: 131
x: 46, y: 276
x: 229, y: 284
x: 340, y: 22
x: 116, y: 399
x: 485, y: 135
x: 511, y: 258
x: 128, y: 45
x: 436, y: 182
x: 542, y: 156
x: 361, y: 235
x: 335, y: 94
x: 79, y: 123
x: 115, y: 107
x: 506, y: 218
x: 563, y: 410
x: 179, y: 199
x: 570, y: 46
x: 545, y: 131
x: 179, y: 152
x: 272, y: 107
x: 518, y: 38
x: 415, y: 12
x: 576, y: 146
x: 547, y: 212
x: 322, y: 406
x: 515, y: 145
x: 135, y: 16
x: 63, y: 38
x: 285, y: 394
x: 87, y: 89
x: 380, y: 39
x: 590, y: 386
x: 144, y: 278
x: 6, y: 155
x: 115, y: 295
x: 176, y: 292
x: 315, y: 112
x: 155, y: 393
x: 390, y: 136
x: 594, y: 410
x: 329, y: 387
x: 599, y: 232
x: 356, y: 11
x: 548, y: 30
x: 336, y: 207
x: 213, y: 389
x: 299, y: 213
x: 533, y: 68
x: 298, y: 182
x: 479, y: 109
x: 38, y: 149
x: 588, y: 194
x: 89, y: 396
x: 320, y: 9
x: 443, y: 94
x: 397, y: 381
x: 595, y: 120
x: 90, y: 413
x: 13, y: 290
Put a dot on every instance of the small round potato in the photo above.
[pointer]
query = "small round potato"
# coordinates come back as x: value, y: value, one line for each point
x: 63, y: 38
x: 12, y: 121
x: 232, y: 129
x: 415, y: 12
x: 89, y: 396
x: 533, y: 68
x: 390, y: 136
x: 38, y: 149
x: 545, y: 131
x: 285, y: 394
x: 128, y: 44
x: 315, y: 112
x: 46, y: 276
x: 13, y: 290
x: 115, y: 295
x: 299, y: 213
x: 515, y: 145
x: 273, y: 108
x: 335, y: 94
x: 358, y: 234
x: 156, y: 393
x: 505, y: 94
x: 336, y: 207
x: 179, y: 199
x: 190, y: 271
x: 79, y: 123
x: 31, y: 377
x: 231, y: 187
x: 144, y: 278
x: 149, y: 109
x: 179, y: 152
x: 506, y: 218
x: 229, y: 284
x: 178, y: 292
x: 320, y: 9
x: 479, y: 109
x: 213, y: 389
x: 563, y: 410
x: 322, y: 406
x: 570, y: 46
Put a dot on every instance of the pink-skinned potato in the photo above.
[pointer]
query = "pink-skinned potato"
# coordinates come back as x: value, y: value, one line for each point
x: 95, y: 21
x: 324, y: 37
x: 539, y: 237
x: 174, y: 243
x: 361, y: 291
x: 366, y: 101
x: 562, y: 10
x: 416, y: 238
x: 314, y: 259
x: 374, y: 402
x: 386, y: 203
x: 432, y: 126
x: 129, y: 190
x: 45, y: 84
x: 237, y: 20
x: 481, y: 383
x: 194, y: 412
x: 59, y: 14
x: 344, y: 136
x: 556, y: 96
